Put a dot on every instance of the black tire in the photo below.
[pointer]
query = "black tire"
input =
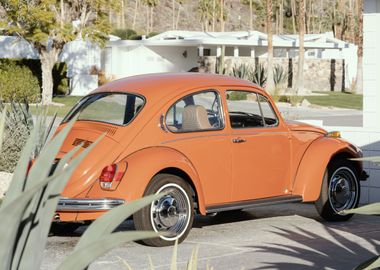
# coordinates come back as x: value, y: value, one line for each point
x: 162, y: 215
x: 340, y: 190
x: 64, y: 228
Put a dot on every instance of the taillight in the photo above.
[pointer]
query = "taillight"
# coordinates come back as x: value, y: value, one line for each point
x: 111, y: 175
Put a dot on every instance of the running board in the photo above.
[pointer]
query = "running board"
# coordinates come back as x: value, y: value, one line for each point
x: 253, y: 203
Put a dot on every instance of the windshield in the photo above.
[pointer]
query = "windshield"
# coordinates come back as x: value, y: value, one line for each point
x: 113, y: 108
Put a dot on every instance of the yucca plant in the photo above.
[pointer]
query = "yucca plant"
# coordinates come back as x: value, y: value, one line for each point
x: 370, y: 209
x: 29, y: 206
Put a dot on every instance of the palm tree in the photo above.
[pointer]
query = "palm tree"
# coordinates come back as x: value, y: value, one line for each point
x: 250, y: 15
x: 137, y: 4
x: 299, y: 89
x: 359, y: 74
x: 269, y: 13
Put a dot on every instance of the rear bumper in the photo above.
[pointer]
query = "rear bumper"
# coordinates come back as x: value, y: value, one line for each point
x: 88, y: 205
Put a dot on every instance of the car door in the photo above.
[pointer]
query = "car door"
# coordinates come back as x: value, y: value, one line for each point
x: 260, y: 147
x: 197, y: 129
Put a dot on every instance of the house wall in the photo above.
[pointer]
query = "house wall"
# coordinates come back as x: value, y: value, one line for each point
x: 329, y: 73
x: 135, y: 60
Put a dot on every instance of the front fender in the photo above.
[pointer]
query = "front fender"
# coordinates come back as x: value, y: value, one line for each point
x: 143, y: 165
x: 310, y: 172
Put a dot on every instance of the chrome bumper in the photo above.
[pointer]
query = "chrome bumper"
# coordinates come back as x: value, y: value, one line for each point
x: 87, y: 205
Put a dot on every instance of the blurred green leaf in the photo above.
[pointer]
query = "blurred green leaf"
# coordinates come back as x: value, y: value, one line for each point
x: 108, y: 222
x: 372, y: 159
x: 2, y: 125
x: 81, y: 258
x: 11, y: 218
x: 370, y: 209
x: 373, y: 263
x: 173, y: 265
x: 125, y: 264
x: 192, y: 264
x: 48, y: 201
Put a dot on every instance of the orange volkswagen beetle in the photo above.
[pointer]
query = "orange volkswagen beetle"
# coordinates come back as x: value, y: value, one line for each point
x: 212, y: 143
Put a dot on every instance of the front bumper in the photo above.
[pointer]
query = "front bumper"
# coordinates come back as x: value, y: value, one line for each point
x: 88, y: 205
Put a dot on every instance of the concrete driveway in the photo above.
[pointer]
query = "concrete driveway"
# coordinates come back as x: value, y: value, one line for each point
x: 290, y: 236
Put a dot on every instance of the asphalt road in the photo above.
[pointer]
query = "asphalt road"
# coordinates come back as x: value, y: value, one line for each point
x: 290, y: 236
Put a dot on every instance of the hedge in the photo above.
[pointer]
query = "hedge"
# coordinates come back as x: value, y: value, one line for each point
x: 22, y: 79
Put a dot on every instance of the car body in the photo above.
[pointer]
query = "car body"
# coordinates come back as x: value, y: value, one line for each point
x: 220, y: 139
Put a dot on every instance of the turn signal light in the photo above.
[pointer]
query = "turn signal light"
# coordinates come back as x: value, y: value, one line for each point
x: 334, y: 134
x: 111, y: 175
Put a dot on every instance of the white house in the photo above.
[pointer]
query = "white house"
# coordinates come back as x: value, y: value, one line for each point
x: 178, y: 51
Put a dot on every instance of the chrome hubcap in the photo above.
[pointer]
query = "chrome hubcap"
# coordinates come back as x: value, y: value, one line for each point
x: 343, y: 189
x: 171, y: 213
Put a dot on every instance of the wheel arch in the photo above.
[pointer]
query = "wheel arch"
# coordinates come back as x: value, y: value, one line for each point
x: 146, y: 163
x: 182, y: 174
x: 312, y: 167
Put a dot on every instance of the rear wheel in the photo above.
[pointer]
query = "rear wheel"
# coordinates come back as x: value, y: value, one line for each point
x: 171, y: 215
x: 340, y: 190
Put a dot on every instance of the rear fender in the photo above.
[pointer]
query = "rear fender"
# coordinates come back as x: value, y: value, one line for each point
x: 143, y: 165
x: 310, y: 172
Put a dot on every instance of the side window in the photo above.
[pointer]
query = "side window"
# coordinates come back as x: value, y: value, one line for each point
x: 270, y: 117
x: 199, y: 111
x: 244, y: 109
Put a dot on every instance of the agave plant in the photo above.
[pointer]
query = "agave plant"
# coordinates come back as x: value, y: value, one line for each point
x: 280, y: 75
x: 29, y: 206
x: 259, y: 76
x: 242, y: 71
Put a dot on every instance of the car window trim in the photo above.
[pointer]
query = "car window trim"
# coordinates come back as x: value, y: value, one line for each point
x: 222, y: 115
x: 258, y: 101
x: 65, y: 120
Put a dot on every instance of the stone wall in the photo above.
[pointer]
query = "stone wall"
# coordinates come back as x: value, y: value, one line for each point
x: 319, y: 74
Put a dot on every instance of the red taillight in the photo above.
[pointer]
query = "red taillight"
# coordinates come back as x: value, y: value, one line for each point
x: 111, y: 175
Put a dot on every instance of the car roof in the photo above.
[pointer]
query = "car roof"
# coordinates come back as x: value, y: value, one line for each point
x: 159, y: 85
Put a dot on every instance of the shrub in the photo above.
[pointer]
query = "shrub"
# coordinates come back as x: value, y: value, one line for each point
x: 18, y: 83
x: 60, y: 80
x: 126, y: 34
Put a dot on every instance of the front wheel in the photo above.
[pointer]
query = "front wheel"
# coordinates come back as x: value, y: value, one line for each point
x: 172, y: 215
x: 340, y: 191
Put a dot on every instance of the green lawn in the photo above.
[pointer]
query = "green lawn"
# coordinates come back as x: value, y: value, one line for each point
x: 68, y: 101
x: 337, y: 99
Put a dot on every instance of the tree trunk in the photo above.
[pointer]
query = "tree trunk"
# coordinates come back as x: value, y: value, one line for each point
x: 173, y: 19
x: 270, y: 82
x: 221, y: 15
x: 293, y: 5
x: 300, y: 78
x: 250, y: 15
x: 147, y: 20
x: 359, y: 72
x: 151, y: 18
x: 48, y: 60
x: 122, y: 14
x: 281, y: 25
x: 135, y: 15
x: 178, y: 15
x: 213, y: 15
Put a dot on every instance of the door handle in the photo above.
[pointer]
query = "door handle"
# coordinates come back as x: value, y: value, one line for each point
x: 238, y: 140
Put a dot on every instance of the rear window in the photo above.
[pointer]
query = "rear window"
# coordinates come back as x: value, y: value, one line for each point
x: 113, y: 108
